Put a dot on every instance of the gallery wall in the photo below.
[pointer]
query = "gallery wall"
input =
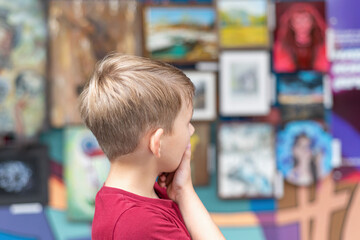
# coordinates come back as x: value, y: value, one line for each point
x: 275, y: 154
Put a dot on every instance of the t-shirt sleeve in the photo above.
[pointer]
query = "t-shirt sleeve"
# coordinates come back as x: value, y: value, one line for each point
x: 139, y: 223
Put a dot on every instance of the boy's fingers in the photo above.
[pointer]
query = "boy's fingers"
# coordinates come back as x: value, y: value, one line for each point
x: 162, y: 178
x: 187, y: 154
x: 169, y: 178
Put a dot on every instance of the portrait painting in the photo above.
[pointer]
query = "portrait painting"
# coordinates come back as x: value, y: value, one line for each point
x: 304, y: 152
x: 300, y: 37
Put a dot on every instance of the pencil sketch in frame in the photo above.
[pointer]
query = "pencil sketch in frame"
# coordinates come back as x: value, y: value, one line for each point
x: 244, y: 83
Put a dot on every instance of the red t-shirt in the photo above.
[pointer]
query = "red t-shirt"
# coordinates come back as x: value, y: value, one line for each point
x: 123, y: 215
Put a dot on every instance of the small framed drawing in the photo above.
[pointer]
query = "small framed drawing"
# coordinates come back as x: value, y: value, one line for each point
x: 24, y: 174
x: 205, y: 95
x: 246, y: 160
x: 180, y: 34
x: 243, y: 24
x: 244, y: 83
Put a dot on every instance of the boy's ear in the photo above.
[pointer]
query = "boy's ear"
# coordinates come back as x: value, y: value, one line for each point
x: 155, y: 142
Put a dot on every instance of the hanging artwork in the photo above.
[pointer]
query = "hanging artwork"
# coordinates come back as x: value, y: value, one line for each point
x: 301, y: 96
x: 243, y: 23
x: 246, y: 160
x: 180, y: 34
x: 81, y: 33
x: 244, y: 83
x: 300, y: 37
x: 22, y: 67
x: 304, y: 152
x: 86, y: 168
x: 24, y: 174
x: 204, y: 101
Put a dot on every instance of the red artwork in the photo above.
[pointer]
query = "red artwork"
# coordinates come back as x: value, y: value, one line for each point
x: 300, y: 37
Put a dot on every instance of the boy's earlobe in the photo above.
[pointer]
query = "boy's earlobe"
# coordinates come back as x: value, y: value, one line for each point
x: 155, y: 142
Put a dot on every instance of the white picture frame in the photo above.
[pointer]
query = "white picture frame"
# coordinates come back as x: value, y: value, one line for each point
x: 205, y: 95
x: 244, y: 83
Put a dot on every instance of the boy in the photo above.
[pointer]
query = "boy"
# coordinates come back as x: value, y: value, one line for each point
x: 140, y: 110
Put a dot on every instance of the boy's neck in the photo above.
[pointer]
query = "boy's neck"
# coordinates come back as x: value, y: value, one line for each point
x: 135, y: 173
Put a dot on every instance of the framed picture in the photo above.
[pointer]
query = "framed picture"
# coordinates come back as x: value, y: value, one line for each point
x: 80, y: 34
x: 205, y: 95
x: 24, y: 174
x: 301, y: 95
x: 243, y: 24
x: 180, y: 33
x: 200, y: 153
x: 246, y: 160
x: 244, y: 83
x: 86, y: 169
x: 304, y: 152
x: 22, y: 68
x: 299, y: 42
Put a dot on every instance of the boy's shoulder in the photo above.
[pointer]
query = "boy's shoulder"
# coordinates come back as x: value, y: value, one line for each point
x: 127, y: 215
x: 141, y: 223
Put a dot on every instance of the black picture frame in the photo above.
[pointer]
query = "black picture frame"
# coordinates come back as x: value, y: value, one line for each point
x: 27, y: 168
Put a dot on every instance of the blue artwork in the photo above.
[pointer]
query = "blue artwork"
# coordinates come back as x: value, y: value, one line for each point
x: 302, y: 83
x: 301, y: 96
x: 304, y: 153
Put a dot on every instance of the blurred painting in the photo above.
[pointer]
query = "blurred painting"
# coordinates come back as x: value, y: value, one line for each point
x: 81, y: 33
x: 22, y: 67
x: 23, y: 174
x: 199, y: 154
x: 180, y: 34
x: 244, y: 83
x: 304, y: 152
x: 86, y: 169
x: 246, y: 160
x: 300, y: 37
x: 242, y: 23
x: 204, y: 101
x: 301, y: 96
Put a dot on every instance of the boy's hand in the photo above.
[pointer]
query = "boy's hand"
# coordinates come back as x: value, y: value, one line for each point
x: 178, y: 182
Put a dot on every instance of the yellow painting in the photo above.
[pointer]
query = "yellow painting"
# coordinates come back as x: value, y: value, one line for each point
x: 243, y: 23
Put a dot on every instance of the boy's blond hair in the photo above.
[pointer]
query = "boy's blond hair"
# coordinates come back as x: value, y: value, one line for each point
x: 128, y: 96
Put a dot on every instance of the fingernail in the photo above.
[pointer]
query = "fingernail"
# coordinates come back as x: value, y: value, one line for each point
x: 188, y: 146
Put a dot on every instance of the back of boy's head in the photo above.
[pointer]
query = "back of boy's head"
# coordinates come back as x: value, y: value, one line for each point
x: 128, y: 96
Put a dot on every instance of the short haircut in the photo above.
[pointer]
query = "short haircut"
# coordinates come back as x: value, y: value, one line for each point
x: 130, y: 95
